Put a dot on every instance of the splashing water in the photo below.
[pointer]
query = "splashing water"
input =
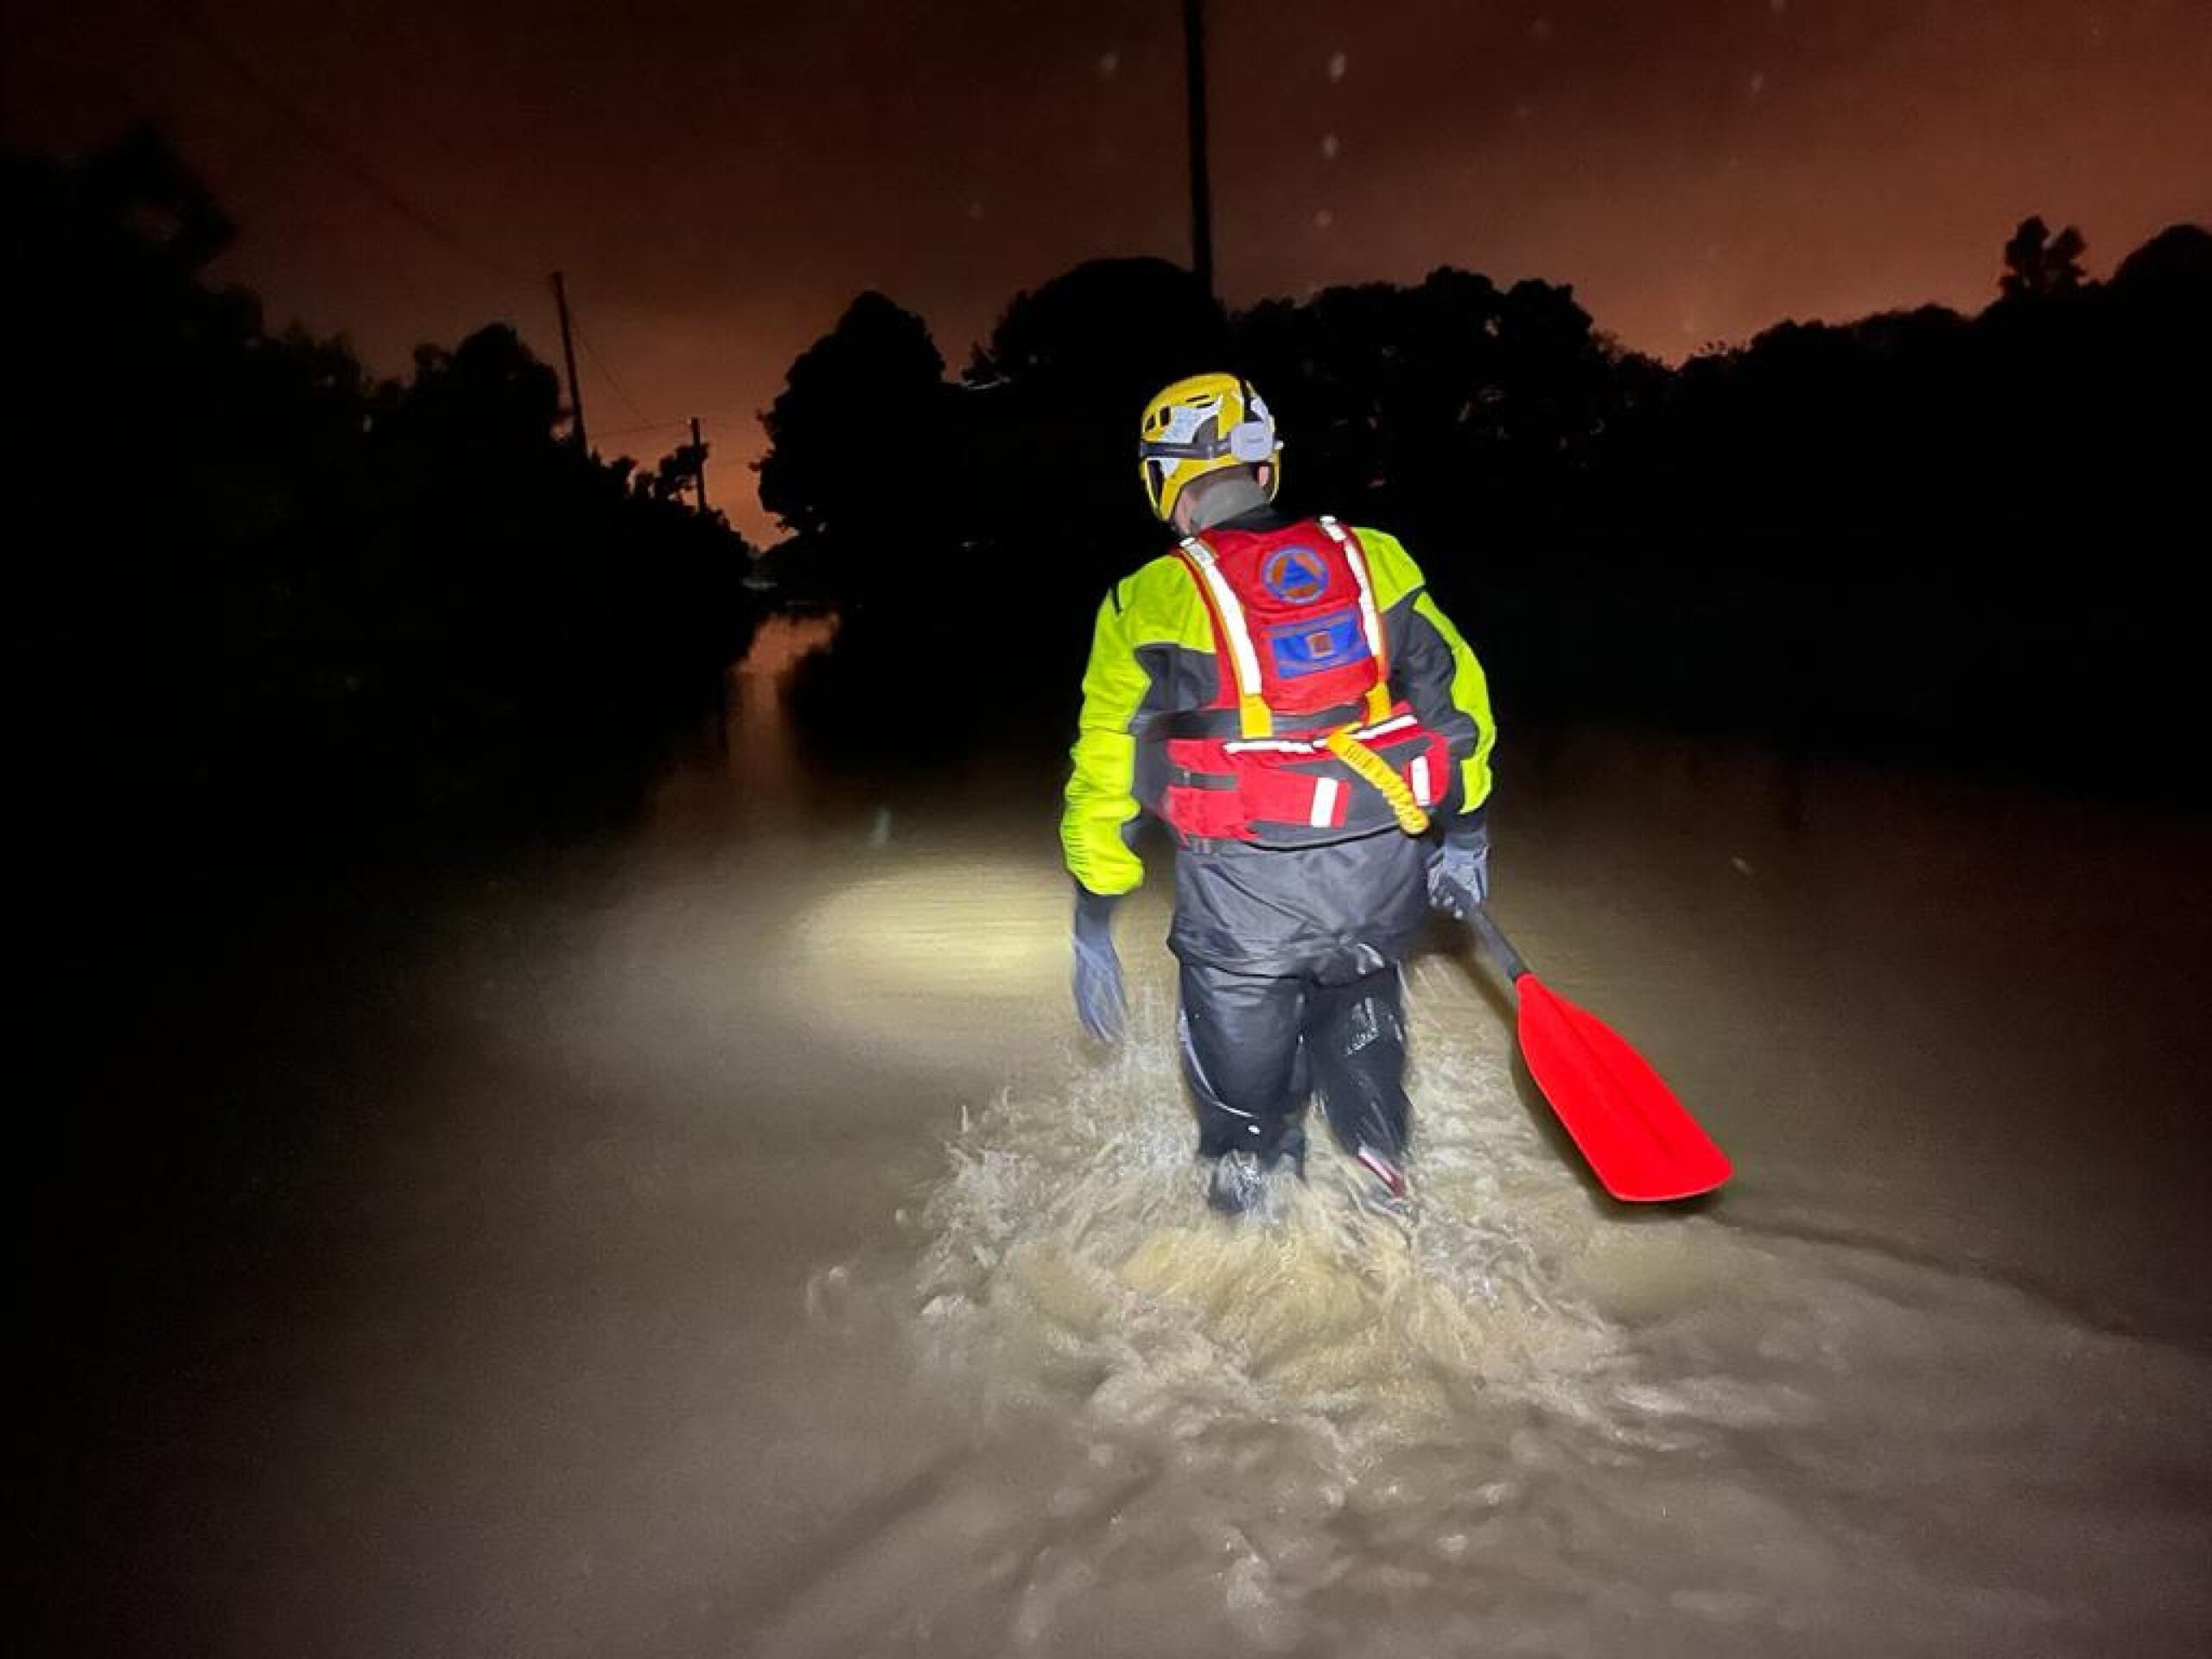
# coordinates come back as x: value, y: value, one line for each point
x: 1059, y: 1407
x: 1506, y: 1419
x: 1075, y: 1230
x: 1264, y: 1429
x: 642, y: 1286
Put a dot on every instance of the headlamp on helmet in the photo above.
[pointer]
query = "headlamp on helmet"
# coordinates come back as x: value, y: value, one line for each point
x: 1204, y: 424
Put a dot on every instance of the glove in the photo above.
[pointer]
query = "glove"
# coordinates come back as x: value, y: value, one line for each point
x: 1100, y: 1000
x: 1458, y: 866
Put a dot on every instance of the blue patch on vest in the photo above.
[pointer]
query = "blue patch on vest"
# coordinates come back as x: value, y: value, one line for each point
x: 1326, y: 642
x: 1295, y: 576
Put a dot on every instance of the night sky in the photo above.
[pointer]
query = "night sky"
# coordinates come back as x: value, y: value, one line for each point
x: 718, y: 180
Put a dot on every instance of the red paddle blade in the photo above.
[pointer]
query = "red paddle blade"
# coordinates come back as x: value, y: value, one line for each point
x: 1643, y: 1144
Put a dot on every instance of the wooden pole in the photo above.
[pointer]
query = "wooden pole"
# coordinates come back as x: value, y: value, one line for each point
x: 569, y: 355
x: 1194, y: 80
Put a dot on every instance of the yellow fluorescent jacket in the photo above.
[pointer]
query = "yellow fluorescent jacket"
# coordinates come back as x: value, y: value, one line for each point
x: 1152, y: 657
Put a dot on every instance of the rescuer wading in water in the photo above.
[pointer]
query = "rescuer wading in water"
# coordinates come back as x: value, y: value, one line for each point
x: 1286, y: 697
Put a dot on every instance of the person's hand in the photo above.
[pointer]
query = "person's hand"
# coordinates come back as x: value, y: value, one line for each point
x: 1459, y: 867
x: 1101, y: 1001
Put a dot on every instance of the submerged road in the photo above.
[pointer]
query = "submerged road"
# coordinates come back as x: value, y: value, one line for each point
x: 715, y: 1241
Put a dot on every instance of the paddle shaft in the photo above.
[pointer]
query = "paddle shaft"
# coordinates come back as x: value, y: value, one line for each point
x: 1501, y: 947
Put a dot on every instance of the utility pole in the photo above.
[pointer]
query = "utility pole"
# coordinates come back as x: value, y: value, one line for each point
x: 699, y: 462
x: 1194, y: 81
x: 569, y: 356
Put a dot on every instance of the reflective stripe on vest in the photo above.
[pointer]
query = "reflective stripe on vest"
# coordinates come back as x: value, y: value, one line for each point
x: 1379, y: 700
x: 1288, y: 791
x: 1395, y: 725
x: 1324, y: 810
x: 1253, y: 718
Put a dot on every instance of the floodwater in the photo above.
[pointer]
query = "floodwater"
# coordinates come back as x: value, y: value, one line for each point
x: 719, y: 1243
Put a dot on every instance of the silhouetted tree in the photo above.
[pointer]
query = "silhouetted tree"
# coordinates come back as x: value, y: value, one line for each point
x: 676, y: 475
x: 1046, y: 428
x: 857, y: 464
x: 274, y: 601
x: 2169, y: 279
x: 1428, y: 406
x: 1108, y: 332
x: 2038, y: 264
x: 1839, y: 533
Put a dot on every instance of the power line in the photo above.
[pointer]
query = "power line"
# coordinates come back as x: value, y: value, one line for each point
x: 643, y: 426
x: 740, y: 416
x: 359, y: 171
x: 367, y: 179
x: 613, y: 379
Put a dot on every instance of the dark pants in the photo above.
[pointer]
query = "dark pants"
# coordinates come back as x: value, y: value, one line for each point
x: 1254, y: 1046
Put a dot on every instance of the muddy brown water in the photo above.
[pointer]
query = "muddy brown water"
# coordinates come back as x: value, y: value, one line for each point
x: 718, y: 1242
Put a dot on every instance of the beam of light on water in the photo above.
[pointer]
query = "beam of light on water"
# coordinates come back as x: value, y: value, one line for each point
x: 1048, y: 1404
x: 928, y: 961
x: 1216, y: 1417
x: 1516, y: 1420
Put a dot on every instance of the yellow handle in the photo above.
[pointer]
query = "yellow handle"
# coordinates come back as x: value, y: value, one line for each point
x: 1376, y: 771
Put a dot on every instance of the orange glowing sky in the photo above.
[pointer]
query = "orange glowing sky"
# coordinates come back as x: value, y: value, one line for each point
x: 718, y: 180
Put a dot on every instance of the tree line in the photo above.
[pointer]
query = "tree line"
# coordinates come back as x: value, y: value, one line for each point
x: 260, y: 599
x: 1919, y: 534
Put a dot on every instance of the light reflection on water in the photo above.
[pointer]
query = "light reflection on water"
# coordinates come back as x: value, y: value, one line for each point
x: 1825, y: 1414
x: 731, y: 1249
x: 1840, y: 1411
x: 1521, y: 1421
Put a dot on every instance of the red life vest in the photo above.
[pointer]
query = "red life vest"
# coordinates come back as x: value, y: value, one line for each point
x: 1299, y: 653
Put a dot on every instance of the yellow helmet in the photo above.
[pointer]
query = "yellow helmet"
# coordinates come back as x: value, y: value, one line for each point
x: 1200, y: 425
